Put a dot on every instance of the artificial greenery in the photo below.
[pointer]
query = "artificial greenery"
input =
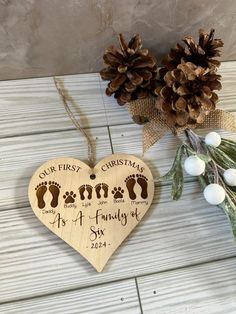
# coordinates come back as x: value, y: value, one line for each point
x: 217, y: 159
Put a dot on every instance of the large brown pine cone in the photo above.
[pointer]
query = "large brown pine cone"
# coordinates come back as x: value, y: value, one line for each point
x: 188, y: 94
x: 201, y: 54
x: 130, y: 69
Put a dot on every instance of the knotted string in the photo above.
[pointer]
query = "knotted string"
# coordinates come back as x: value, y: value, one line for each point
x: 66, y: 98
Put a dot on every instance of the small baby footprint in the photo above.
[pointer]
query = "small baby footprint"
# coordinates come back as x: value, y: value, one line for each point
x: 89, y: 189
x: 81, y: 192
x: 98, y: 188
x: 105, y: 189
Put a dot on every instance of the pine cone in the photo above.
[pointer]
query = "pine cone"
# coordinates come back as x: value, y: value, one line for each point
x: 131, y: 70
x: 188, y: 94
x: 205, y: 51
x: 202, y: 54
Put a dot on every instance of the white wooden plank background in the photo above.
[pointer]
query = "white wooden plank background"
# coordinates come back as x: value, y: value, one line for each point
x: 22, y: 155
x: 33, y: 259
x: 206, y: 289
x: 115, y: 298
x: 33, y: 105
x: 33, y: 262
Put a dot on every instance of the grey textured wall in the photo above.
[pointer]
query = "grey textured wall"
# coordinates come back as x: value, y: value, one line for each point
x: 45, y: 37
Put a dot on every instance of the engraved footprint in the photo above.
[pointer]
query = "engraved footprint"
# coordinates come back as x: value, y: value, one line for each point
x: 81, y: 192
x: 105, y: 189
x: 98, y: 188
x: 54, y: 188
x: 142, y: 181
x: 89, y: 189
x: 40, y: 191
x: 83, y: 188
x: 130, y: 183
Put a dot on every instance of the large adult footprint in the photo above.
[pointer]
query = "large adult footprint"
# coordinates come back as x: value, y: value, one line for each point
x: 81, y: 192
x: 40, y: 191
x: 142, y: 181
x: 130, y: 183
x: 54, y: 188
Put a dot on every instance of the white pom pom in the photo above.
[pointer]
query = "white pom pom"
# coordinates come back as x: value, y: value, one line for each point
x: 213, y: 139
x: 230, y: 177
x: 194, y: 166
x: 214, y: 194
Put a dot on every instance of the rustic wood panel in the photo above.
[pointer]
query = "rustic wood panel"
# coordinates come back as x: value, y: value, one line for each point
x: 20, y: 156
x: 227, y: 94
x: 120, y: 297
x: 34, y: 106
x: 206, y: 289
x: 33, y: 260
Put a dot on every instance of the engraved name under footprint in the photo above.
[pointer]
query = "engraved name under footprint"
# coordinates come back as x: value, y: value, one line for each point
x: 41, y: 189
x: 85, y: 188
x: 101, y: 187
x: 130, y: 183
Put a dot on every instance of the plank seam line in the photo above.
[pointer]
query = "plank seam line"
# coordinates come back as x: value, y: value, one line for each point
x: 59, y: 75
x: 188, y: 266
x: 72, y: 129
x: 109, y: 134
x: 102, y: 95
x: 68, y: 290
x: 51, y: 131
x: 120, y: 280
x: 65, y: 130
x: 139, y: 298
x: 14, y: 208
x: 73, y: 74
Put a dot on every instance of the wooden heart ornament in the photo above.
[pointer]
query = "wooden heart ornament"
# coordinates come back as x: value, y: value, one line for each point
x: 93, y: 210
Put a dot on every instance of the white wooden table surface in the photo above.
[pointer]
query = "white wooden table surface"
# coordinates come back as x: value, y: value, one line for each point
x: 180, y: 259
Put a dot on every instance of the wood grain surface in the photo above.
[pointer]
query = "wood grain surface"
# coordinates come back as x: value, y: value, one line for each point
x: 115, y: 298
x: 36, y: 266
x: 92, y: 209
x: 207, y: 289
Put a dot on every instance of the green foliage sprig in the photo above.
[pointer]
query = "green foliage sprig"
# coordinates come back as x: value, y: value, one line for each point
x: 217, y: 159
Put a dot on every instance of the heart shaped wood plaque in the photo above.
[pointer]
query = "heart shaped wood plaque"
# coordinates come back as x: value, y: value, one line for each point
x: 93, y: 210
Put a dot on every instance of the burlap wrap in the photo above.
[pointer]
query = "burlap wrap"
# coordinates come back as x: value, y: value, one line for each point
x: 156, y: 128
